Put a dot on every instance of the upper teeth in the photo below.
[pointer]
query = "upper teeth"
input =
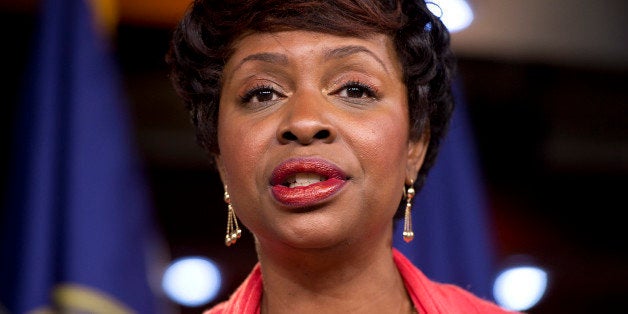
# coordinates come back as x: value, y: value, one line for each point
x: 304, y: 179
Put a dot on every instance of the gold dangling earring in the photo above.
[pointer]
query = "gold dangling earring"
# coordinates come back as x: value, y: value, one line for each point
x: 408, y: 234
x: 233, y: 229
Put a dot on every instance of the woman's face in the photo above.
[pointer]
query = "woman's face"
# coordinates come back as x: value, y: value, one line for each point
x: 313, y: 137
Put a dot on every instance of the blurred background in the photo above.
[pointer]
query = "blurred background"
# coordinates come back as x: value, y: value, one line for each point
x: 545, y: 84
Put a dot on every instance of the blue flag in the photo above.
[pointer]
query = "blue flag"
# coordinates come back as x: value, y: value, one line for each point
x: 453, y: 242
x: 78, y: 222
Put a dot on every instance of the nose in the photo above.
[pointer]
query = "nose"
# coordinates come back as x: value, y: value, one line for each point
x: 306, y: 120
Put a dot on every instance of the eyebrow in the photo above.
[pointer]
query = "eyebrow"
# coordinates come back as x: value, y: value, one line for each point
x: 264, y: 57
x: 336, y: 53
x: 341, y: 52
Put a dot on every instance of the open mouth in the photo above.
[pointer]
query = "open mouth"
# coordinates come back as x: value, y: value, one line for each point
x: 303, y: 179
x: 303, y: 182
x: 298, y: 172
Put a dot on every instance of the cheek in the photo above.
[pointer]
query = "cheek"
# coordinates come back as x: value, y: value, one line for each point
x: 383, y: 142
x: 241, y: 150
x: 382, y: 152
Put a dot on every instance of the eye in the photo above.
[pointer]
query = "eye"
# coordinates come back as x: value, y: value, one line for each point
x: 356, y: 90
x: 260, y: 94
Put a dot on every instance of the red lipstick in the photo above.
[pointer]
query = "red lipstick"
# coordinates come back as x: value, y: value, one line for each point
x: 301, y: 182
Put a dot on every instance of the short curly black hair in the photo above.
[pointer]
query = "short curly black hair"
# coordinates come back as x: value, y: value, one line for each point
x: 203, y: 42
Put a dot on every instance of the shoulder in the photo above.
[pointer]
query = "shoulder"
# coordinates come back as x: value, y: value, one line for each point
x: 217, y: 309
x: 434, y: 297
x: 455, y: 297
x: 245, y: 300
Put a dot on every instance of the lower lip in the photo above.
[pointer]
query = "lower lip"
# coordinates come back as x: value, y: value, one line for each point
x: 310, y: 195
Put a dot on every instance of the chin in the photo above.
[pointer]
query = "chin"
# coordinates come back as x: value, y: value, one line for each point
x: 311, y: 236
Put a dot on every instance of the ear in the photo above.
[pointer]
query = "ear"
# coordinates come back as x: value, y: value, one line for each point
x: 416, y: 154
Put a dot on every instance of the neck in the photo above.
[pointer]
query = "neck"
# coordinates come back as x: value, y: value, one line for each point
x: 348, y: 278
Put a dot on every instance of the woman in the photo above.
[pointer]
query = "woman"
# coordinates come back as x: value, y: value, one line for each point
x: 322, y: 118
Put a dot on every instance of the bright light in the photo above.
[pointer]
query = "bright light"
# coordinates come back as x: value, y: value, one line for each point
x: 192, y: 281
x: 520, y: 288
x: 455, y: 14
